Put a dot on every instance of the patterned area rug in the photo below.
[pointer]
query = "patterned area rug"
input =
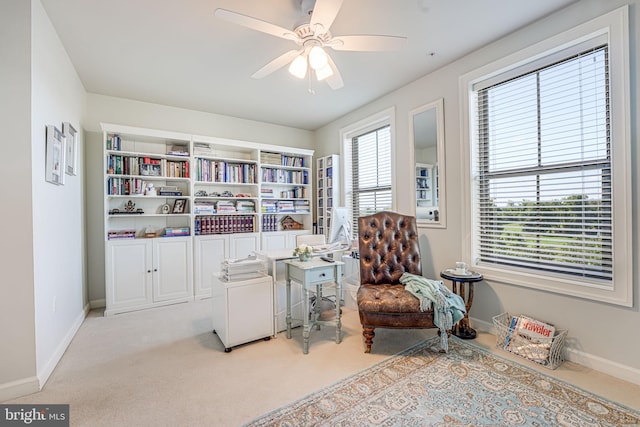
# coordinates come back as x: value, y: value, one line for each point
x: 466, y: 387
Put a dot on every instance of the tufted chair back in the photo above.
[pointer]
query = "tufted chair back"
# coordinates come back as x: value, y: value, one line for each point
x: 389, y: 247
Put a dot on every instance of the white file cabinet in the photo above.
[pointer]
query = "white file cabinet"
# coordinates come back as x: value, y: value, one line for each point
x: 242, y: 310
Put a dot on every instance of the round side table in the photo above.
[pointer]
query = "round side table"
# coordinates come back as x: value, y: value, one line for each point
x: 462, y: 329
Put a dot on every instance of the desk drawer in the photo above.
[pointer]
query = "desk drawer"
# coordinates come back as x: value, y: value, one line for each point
x: 313, y: 276
x: 321, y: 275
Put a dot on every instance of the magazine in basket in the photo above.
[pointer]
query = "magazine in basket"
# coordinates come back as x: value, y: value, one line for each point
x: 530, y: 338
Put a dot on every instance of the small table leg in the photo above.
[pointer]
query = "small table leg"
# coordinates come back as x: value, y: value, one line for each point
x: 463, y: 328
x: 288, y: 292
x: 306, y: 329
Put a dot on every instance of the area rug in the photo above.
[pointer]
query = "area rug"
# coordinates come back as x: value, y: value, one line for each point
x: 468, y: 386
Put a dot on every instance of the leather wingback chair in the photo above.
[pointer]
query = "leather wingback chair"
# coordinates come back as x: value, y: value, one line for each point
x: 388, y: 244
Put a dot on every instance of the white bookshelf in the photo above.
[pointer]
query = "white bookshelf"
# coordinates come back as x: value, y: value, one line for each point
x: 328, y: 190
x: 227, y: 188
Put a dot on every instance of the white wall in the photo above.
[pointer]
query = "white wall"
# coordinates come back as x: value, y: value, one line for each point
x: 17, y: 322
x: 141, y: 114
x: 600, y: 335
x: 43, y: 226
x: 58, y: 211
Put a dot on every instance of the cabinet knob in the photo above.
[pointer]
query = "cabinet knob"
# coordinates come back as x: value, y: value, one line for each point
x: 322, y: 275
x: 148, y: 271
x: 155, y: 269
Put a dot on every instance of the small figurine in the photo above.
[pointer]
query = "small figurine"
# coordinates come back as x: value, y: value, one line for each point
x: 129, y: 207
x: 150, y: 190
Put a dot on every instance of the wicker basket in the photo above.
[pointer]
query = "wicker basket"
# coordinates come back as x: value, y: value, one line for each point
x: 549, y: 354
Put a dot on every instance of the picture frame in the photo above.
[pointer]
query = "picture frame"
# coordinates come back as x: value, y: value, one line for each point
x: 54, y: 156
x: 71, y: 151
x: 179, y: 206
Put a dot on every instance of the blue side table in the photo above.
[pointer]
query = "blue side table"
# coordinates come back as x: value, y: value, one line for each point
x: 313, y: 274
x: 462, y: 329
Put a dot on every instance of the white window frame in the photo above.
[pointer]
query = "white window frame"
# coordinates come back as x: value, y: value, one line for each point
x: 371, y: 123
x: 615, y: 27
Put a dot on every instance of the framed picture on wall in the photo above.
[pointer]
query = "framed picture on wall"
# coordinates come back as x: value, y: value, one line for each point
x: 55, y: 153
x: 71, y: 142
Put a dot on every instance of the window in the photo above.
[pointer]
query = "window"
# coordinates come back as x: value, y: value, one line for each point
x: 549, y: 169
x: 544, y: 169
x: 367, y: 158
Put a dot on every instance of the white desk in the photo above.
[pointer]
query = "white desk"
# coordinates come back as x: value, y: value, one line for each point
x: 313, y: 273
x: 274, y: 258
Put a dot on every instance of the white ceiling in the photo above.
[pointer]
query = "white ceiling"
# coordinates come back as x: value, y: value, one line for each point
x: 177, y: 53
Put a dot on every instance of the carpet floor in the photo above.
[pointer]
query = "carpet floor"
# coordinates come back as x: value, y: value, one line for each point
x: 465, y: 387
x: 165, y: 367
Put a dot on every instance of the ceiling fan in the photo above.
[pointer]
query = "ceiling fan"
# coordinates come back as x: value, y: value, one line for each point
x: 312, y: 35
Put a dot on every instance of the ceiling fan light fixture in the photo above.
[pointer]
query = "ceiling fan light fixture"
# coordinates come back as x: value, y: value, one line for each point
x: 324, y: 72
x: 318, y: 58
x: 298, y: 67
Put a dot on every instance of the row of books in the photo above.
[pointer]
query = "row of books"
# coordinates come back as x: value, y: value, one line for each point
x: 219, y: 171
x: 177, y: 231
x: 294, y: 193
x: 178, y: 150
x: 146, y: 166
x: 282, y: 159
x: 285, y: 206
x: 224, y: 224
x: 208, y: 207
x: 136, y: 187
x: 202, y: 149
x: 114, y: 142
x: 281, y: 176
x: 204, y: 208
x: 169, y: 190
x: 125, y: 186
x: 121, y: 234
x: 131, y: 234
x: 270, y: 223
x: 529, y: 338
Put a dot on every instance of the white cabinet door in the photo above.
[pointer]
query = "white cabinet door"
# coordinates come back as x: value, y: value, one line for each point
x: 172, y: 269
x: 128, y: 275
x: 281, y: 239
x: 210, y: 251
x: 242, y: 245
x: 274, y: 240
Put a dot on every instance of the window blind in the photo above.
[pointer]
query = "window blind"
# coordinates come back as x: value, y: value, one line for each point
x: 371, y: 173
x: 543, y: 193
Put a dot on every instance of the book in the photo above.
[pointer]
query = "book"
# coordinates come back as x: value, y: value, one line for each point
x: 530, y: 338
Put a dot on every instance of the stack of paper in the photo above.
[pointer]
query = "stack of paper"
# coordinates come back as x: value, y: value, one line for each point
x: 243, y: 269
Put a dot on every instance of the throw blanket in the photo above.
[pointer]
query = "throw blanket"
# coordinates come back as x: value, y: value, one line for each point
x: 448, y: 308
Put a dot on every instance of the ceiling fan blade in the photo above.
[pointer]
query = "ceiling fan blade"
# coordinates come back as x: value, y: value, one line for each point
x: 367, y: 43
x: 335, y: 80
x: 277, y: 63
x: 324, y: 13
x: 256, y: 24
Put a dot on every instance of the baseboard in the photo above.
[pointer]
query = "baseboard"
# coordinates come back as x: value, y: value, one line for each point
x: 19, y: 388
x: 45, y: 372
x: 597, y: 363
x: 97, y: 303
x: 603, y: 365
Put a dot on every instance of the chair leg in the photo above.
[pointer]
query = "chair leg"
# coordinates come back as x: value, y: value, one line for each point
x: 368, y: 334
